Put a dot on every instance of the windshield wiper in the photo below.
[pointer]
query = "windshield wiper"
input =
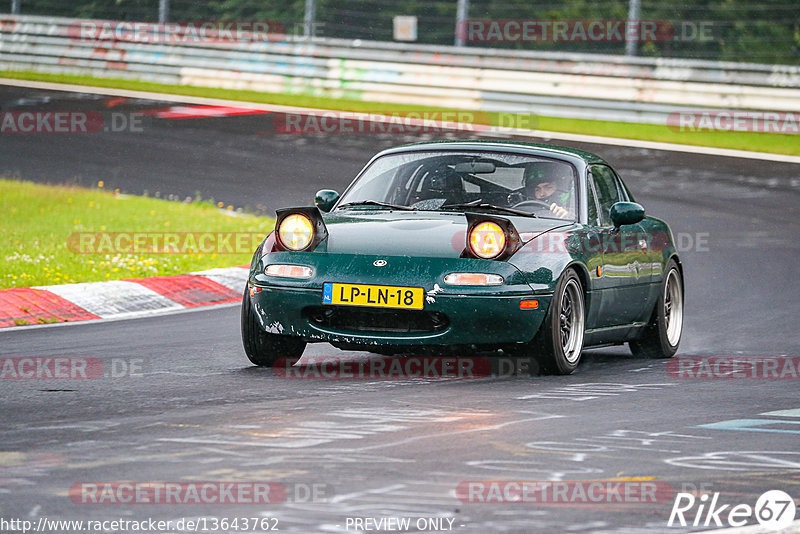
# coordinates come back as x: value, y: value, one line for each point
x: 487, y: 206
x: 376, y: 203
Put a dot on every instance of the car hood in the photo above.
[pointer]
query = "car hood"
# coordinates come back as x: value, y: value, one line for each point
x: 412, y: 233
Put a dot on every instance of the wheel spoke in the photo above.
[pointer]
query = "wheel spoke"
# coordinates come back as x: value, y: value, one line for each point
x: 566, y: 328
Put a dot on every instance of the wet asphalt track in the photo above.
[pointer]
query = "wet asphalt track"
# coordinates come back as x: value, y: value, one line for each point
x: 198, y: 412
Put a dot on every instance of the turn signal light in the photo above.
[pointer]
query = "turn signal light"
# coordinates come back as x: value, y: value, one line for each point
x: 254, y: 290
x: 289, y: 271
x: 473, y: 279
x: 528, y: 304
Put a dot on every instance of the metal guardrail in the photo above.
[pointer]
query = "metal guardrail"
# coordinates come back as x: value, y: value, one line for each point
x: 615, y: 88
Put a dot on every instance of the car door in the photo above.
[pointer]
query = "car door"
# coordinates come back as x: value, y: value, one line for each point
x: 623, y: 282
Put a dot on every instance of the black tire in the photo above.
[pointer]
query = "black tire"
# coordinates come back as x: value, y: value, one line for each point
x: 263, y: 348
x: 662, y: 335
x: 559, y: 341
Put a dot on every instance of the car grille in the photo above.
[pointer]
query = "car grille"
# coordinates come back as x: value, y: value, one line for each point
x: 351, y: 319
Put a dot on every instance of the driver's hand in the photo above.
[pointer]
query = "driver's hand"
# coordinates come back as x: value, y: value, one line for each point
x: 559, y: 211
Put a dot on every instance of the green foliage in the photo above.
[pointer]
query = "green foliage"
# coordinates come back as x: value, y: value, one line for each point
x: 39, y: 222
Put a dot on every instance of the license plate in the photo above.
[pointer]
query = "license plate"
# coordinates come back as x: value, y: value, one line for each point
x: 376, y: 296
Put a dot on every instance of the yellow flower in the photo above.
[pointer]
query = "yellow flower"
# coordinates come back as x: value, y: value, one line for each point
x: 220, y: 204
x: 102, y: 228
x: 100, y: 183
x: 152, y: 212
x: 230, y: 208
x: 69, y: 201
x: 166, y: 223
x: 91, y: 203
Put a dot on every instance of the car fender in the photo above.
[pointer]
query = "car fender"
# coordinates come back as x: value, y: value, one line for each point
x: 543, y: 267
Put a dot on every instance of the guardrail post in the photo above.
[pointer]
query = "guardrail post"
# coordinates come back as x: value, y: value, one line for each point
x: 163, y: 11
x: 15, y: 7
x: 461, y: 17
x: 632, y: 31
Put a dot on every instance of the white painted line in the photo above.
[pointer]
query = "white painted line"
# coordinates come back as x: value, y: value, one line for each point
x: 233, y: 278
x: 784, y: 413
x: 613, y: 141
x: 113, y: 299
x: 793, y: 528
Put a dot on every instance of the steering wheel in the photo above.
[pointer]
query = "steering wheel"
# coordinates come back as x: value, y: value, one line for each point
x: 528, y: 203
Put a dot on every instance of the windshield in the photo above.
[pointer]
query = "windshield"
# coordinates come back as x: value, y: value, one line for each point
x: 435, y: 181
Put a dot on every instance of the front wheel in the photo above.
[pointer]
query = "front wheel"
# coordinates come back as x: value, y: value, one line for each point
x: 263, y: 348
x: 560, y: 338
x: 663, y: 334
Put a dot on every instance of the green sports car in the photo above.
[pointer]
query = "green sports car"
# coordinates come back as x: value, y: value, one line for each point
x: 534, y: 250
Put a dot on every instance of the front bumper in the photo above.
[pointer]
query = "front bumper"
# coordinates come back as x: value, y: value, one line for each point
x: 452, y: 315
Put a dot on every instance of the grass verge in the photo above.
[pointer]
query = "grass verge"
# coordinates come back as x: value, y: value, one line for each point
x: 64, y: 234
x: 758, y: 142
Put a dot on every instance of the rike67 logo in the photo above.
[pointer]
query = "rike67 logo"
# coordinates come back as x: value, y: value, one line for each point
x: 774, y: 510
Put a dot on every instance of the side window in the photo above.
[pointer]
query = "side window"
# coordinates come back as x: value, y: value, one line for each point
x: 605, y: 187
x: 624, y: 193
x: 591, y: 203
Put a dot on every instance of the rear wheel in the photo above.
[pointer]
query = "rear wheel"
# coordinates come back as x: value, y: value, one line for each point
x: 263, y: 348
x: 663, y: 334
x: 560, y: 339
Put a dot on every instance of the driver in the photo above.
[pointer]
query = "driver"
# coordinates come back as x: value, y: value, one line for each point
x: 551, y: 185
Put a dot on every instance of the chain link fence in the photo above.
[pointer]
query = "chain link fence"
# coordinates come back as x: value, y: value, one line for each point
x: 766, y: 31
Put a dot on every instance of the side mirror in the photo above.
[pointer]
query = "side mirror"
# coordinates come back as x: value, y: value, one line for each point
x: 626, y: 213
x: 325, y: 199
